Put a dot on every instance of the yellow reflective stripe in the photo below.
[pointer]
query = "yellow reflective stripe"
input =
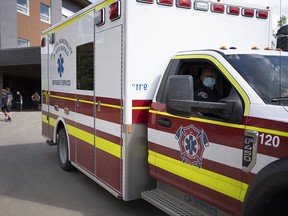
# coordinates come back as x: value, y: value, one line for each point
x: 220, y: 183
x: 98, y: 7
x: 108, y: 147
x: 110, y: 105
x: 86, y: 101
x: 228, y: 75
x: 105, y: 145
x: 63, y: 98
x: 208, y: 121
x: 80, y: 134
x: 141, y: 108
x: 268, y: 131
x: 239, y: 126
x: 102, y: 5
x: 44, y: 119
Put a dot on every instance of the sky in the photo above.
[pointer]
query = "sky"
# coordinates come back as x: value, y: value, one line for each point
x: 277, y: 7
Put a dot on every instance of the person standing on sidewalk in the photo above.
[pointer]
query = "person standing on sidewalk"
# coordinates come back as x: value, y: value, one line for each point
x: 36, y: 99
x: 7, y: 105
x: 19, y: 101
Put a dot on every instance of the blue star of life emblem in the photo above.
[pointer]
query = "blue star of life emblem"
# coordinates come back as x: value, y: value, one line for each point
x: 192, y: 142
x: 60, y: 65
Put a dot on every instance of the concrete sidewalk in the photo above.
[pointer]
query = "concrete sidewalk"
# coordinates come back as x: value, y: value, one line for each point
x: 25, y: 127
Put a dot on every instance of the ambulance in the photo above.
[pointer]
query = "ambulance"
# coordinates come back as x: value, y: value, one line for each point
x: 118, y: 83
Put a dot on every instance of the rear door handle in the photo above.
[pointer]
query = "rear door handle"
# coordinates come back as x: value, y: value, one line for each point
x: 165, y: 122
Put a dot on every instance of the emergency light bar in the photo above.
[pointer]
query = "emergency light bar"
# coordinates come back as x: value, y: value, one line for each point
x: 217, y: 8
x: 43, y: 42
x: 146, y: 1
x: 202, y: 6
x: 165, y: 2
x: 183, y: 3
x: 247, y: 12
x: 233, y: 10
x: 262, y: 14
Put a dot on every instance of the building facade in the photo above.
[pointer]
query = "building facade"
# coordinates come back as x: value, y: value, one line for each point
x: 21, y: 24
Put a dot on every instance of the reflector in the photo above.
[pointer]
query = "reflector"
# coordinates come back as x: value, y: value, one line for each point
x: 233, y: 10
x: 218, y: 8
x: 262, y: 14
x: 165, y: 2
x: 183, y: 3
x: 248, y: 12
x: 114, y: 11
x: 202, y: 6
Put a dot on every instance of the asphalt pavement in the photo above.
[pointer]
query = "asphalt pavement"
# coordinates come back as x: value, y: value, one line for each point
x: 32, y: 182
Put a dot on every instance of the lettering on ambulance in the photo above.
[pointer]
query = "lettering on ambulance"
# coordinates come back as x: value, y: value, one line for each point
x: 192, y: 142
x: 272, y: 136
x: 61, y: 50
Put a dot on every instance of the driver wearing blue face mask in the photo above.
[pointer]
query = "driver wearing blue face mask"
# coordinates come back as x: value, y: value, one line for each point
x: 207, y: 92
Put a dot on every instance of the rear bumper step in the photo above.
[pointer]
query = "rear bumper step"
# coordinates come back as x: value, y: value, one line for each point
x: 167, y: 204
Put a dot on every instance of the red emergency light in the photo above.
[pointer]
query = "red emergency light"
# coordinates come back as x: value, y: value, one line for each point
x: 217, y: 8
x: 114, y: 11
x: 262, y: 14
x: 233, y: 10
x: 43, y: 42
x: 146, y: 1
x: 183, y: 3
x: 247, y: 12
x: 166, y: 2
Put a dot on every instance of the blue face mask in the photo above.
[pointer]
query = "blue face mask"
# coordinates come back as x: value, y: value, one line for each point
x: 209, y: 82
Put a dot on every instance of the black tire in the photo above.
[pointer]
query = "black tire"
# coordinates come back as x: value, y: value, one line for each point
x: 62, y: 148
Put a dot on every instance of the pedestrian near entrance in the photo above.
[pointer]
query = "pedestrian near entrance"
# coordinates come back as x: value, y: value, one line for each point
x: 7, y: 99
x: 19, y: 101
x: 36, y: 99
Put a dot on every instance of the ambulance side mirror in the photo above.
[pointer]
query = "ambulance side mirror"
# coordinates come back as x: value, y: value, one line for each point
x: 180, y: 101
x: 180, y: 93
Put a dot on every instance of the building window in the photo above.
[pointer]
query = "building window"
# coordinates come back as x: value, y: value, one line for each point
x: 44, y: 13
x: 85, y: 68
x: 23, y: 6
x: 23, y: 43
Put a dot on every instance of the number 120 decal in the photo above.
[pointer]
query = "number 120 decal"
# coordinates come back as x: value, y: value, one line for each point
x: 269, y: 140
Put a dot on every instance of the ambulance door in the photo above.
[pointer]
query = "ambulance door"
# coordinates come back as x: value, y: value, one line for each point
x: 199, y: 154
x: 84, y: 107
x: 108, y: 96
x: 46, y: 47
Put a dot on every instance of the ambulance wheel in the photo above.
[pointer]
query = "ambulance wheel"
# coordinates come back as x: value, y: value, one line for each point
x: 62, y: 147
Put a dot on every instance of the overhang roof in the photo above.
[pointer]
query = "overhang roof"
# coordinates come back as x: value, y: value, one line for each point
x: 83, y: 3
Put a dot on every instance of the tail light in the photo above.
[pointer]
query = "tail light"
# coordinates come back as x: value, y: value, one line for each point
x: 115, y: 11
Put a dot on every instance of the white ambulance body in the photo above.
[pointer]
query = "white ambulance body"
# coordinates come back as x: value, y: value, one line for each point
x: 101, y: 69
